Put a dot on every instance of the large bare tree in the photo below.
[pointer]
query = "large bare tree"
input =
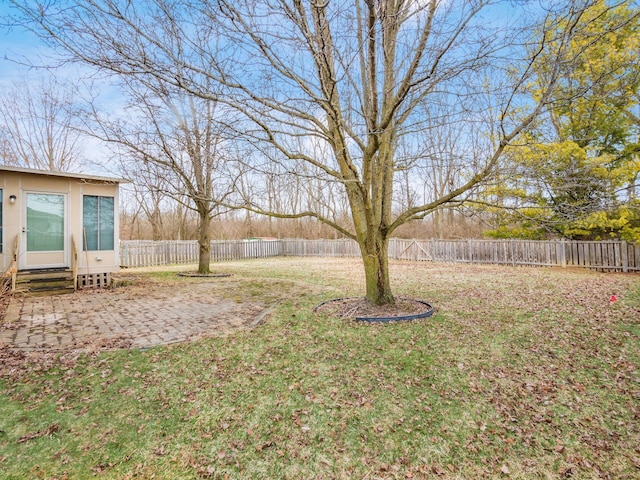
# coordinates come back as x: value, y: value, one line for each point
x: 358, y: 77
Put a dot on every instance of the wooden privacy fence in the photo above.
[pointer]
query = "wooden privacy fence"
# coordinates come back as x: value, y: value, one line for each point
x: 145, y: 253
x: 616, y: 256
x: 603, y: 255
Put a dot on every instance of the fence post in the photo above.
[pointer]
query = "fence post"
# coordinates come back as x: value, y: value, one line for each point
x: 512, y: 243
x: 624, y: 256
x: 124, y: 255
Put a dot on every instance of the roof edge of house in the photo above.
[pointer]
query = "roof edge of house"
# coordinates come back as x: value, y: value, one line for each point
x: 51, y: 173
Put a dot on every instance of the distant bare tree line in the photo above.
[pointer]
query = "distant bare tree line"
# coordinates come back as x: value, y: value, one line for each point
x: 142, y: 217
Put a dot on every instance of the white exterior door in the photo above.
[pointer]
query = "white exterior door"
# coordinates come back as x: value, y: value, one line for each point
x: 44, y: 231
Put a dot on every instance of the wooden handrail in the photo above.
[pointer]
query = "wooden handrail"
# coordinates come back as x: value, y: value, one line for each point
x: 14, y: 263
x: 16, y: 243
x: 74, y: 262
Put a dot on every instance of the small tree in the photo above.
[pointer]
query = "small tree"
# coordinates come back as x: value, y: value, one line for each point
x: 174, y: 146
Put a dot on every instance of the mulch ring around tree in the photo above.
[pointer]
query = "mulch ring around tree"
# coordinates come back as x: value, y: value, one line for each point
x: 360, y: 309
x: 203, y: 275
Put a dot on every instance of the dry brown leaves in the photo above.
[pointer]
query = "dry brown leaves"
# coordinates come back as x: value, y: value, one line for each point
x: 50, y: 430
x: 16, y: 363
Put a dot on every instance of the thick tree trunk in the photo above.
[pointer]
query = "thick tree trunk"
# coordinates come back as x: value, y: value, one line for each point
x: 156, y: 224
x: 375, y: 256
x: 204, y: 241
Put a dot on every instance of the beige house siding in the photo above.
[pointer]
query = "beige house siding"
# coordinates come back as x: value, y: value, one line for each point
x: 67, y: 189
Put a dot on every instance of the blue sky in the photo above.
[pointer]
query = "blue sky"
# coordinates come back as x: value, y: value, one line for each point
x: 18, y: 48
x: 16, y: 44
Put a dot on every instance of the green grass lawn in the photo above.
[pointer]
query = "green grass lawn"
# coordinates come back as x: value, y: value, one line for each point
x: 521, y: 373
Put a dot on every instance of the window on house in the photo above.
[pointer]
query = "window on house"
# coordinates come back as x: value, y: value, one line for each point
x: 98, y: 222
x: 45, y: 222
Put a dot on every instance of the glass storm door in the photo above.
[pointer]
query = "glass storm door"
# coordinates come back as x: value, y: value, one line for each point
x: 44, y: 244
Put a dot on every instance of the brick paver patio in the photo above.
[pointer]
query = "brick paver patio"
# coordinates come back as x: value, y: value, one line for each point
x: 163, y: 314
